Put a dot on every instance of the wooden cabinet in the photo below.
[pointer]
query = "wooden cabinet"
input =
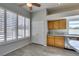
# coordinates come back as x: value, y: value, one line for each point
x: 62, y: 24
x: 57, y: 41
x: 50, y: 41
x: 50, y: 25
x: 57, y: 24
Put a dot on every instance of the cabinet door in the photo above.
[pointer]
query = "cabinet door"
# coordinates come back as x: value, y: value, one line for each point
x: 56, y: 24
x: 59, y: 41
x: 62, y: 24
x: 50, y: 25
x: 50, y: 41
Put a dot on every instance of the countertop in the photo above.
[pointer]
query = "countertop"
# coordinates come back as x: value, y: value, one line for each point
x: 66, y: 35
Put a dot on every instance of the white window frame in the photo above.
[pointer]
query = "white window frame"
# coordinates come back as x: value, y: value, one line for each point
x: 5, y: 28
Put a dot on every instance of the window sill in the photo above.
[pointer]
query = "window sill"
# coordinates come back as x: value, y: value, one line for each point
x: 12, y: 41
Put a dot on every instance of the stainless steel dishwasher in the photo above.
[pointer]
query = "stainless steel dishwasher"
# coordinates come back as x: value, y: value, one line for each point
x: 72, y: 43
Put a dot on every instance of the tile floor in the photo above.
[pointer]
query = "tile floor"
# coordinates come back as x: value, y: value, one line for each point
x: 38, y: 50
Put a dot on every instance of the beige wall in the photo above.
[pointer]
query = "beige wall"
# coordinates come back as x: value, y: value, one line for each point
x: 39, y: 27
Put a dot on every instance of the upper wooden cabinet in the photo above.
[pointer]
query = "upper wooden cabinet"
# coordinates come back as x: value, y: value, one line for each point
x: 57, y: 24
x: 62, y: 24
x: 50, y: 25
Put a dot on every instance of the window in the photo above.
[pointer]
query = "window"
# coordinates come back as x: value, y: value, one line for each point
x: 74, y: 27
x: 11, y: 25
x: 20, y: 26
x: 1, y: 25
x: 27, y: 27
x: 74, y: 24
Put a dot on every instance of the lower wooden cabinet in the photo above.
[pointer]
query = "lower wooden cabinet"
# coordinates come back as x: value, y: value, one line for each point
x: 57, y: 41
x: 50, y: 41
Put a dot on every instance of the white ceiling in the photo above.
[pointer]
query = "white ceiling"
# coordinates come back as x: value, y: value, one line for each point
x: 43, y: 6
x: 48, y: 6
